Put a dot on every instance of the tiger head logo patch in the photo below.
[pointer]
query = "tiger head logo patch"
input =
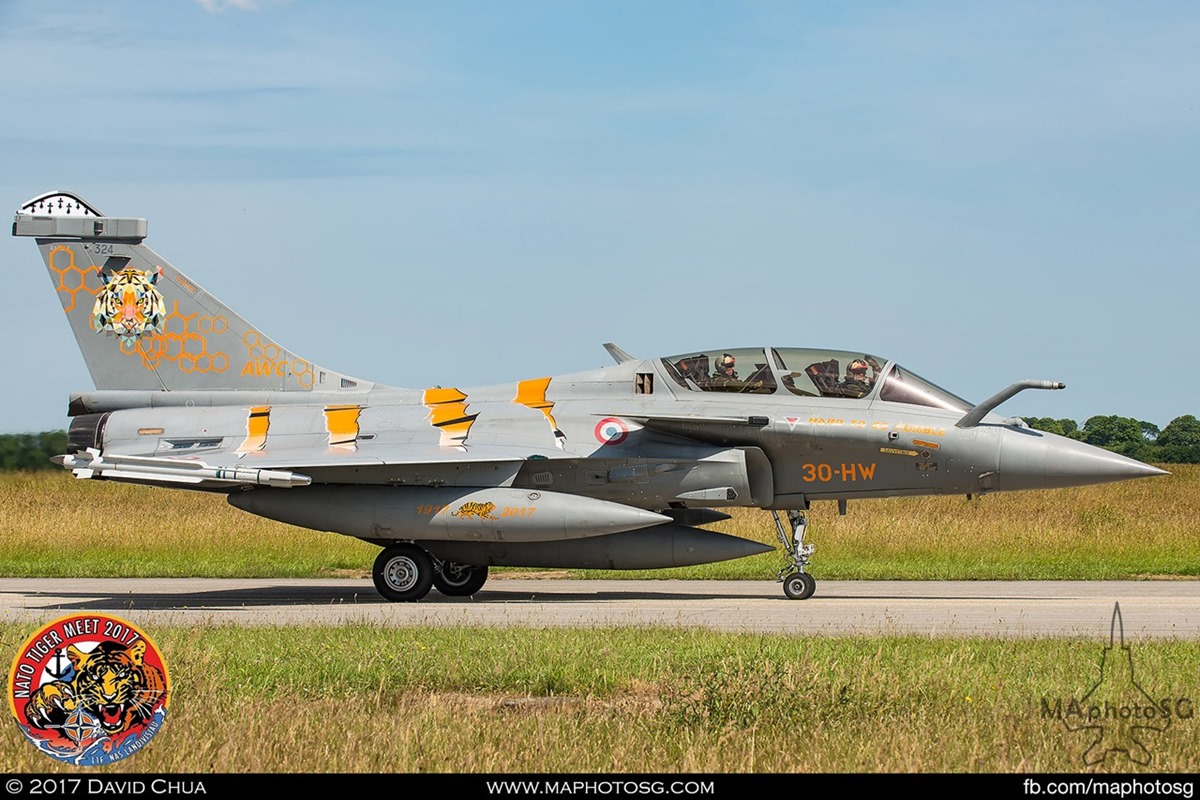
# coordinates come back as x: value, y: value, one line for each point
x: 89, y: 689
x: 129, y: 305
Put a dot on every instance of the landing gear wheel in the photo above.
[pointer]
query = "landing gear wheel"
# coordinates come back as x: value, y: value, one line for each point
x: 403, y: 573
x: 459, y: 580
x: 799, y: 586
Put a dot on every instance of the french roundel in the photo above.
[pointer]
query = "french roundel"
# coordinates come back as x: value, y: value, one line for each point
x: 611, y: 430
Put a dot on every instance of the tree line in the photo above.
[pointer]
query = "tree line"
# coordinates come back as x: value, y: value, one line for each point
x: 1178, y: 443
x: 31, y: 451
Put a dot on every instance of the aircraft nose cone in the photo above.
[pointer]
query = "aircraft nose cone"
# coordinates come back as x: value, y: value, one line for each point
x: 1038, y: 460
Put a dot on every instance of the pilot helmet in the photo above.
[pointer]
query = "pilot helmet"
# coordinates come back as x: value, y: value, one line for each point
x: 858, y: 366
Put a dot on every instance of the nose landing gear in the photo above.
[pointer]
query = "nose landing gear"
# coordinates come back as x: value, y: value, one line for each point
x: 797, y: 583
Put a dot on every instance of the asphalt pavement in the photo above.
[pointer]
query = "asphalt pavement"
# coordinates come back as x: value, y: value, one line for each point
x: 1150, y: 609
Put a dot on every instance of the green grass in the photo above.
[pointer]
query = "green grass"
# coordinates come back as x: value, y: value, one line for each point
x: 364, y: 698
x: 56, y: 526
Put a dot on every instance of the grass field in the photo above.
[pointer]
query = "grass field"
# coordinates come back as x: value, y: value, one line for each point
x: 54, y: 525
x: 366, y: 699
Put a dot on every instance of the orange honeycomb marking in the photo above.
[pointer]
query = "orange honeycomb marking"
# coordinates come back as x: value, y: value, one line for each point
x: 263, y: 358
x: 181, y: 343
x: 182, y: 336
x: 71, y: 279
x: 303, y: 372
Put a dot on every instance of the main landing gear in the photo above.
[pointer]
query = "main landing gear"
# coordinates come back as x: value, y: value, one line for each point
x: 459, y: 580
x: 797, y: 583
x: 404, y: 572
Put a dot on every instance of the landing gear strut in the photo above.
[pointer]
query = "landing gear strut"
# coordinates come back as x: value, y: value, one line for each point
x: 797, y: 583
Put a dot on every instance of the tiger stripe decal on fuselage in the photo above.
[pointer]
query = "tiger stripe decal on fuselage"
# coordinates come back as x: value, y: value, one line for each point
x: 341, y: 422
x: 258, y: 422
x: 532, y: 394
x: 448, y: 413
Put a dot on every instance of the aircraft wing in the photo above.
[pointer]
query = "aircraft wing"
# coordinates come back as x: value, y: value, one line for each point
x: 299, y: 466
x: 387, y: 455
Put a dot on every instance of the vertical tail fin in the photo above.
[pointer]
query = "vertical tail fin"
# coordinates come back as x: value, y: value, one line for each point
x: 141, y: 323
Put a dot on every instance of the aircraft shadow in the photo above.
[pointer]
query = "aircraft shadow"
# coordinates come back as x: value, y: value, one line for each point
x: 330, y: 595
x: 334, y: 595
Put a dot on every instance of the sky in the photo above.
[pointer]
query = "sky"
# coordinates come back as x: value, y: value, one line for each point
x: 465, y: 193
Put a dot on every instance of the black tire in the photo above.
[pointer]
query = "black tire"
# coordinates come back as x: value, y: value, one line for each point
x: 799, y: 586
x: 459, y: 580
x: 403, y: 573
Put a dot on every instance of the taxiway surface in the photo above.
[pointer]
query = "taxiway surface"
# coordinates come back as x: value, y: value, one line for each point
x: 1150, y: 609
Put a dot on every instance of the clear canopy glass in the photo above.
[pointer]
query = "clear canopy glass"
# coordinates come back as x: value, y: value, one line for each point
x: 806, y: 372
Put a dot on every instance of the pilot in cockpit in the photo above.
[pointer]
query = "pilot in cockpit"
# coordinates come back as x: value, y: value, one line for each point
x: 725, y: 368
x: 858, y: 381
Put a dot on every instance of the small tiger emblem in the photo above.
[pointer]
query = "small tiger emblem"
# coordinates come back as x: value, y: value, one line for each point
x: 476, y: 510
x: 129, y: 305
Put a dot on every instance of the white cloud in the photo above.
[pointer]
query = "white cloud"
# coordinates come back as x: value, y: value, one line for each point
x: 215, y: 6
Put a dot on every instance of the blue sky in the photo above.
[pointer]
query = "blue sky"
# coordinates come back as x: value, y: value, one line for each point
x: 461, y: 193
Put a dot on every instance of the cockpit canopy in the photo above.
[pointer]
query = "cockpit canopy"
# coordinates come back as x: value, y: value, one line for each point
x: 805, y: 372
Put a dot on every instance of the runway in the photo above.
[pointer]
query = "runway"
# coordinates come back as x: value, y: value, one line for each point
x: 1150, y: 609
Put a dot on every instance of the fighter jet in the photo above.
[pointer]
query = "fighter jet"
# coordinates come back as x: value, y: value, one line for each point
x: 618, y: 467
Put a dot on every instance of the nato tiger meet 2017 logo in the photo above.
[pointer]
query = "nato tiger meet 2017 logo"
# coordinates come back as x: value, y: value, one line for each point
x: 89, y: 689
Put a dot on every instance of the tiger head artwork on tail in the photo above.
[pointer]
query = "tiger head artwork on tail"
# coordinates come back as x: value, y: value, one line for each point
x: 129, y: 305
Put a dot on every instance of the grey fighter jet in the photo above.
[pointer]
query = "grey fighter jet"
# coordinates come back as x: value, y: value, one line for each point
x: 616, y: 468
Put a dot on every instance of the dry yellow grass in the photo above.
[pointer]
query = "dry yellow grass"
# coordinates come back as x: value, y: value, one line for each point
x: 53, y: 525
